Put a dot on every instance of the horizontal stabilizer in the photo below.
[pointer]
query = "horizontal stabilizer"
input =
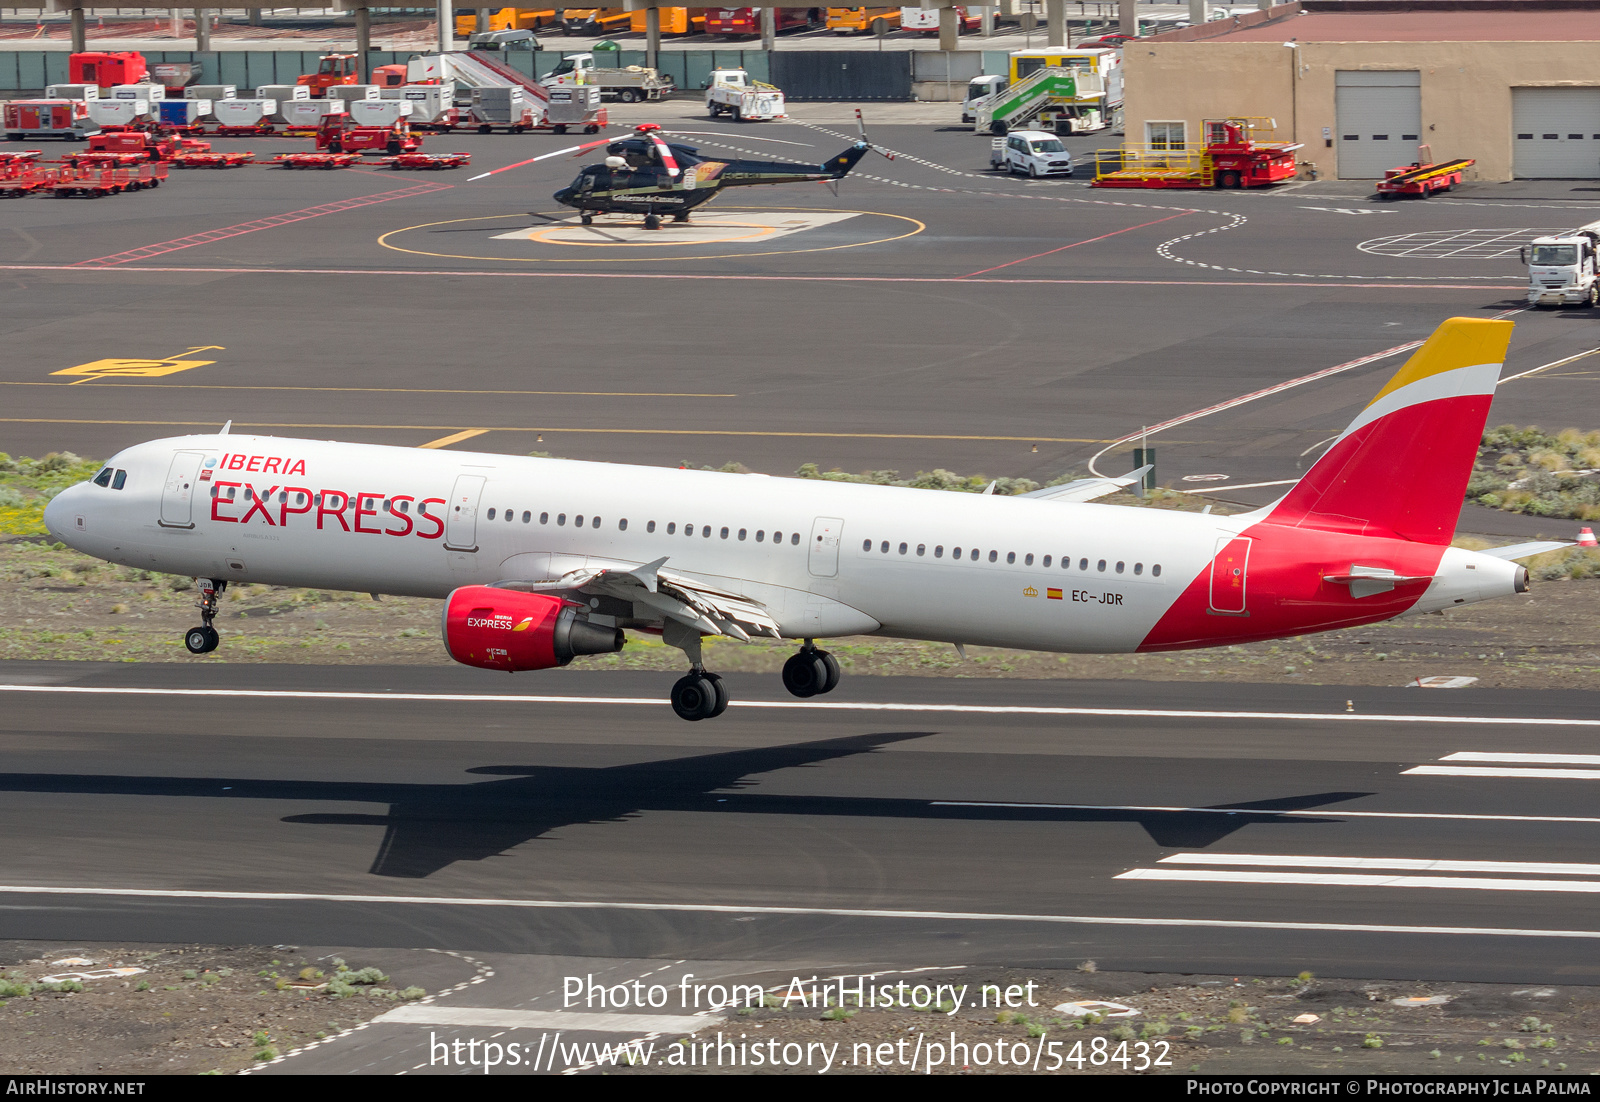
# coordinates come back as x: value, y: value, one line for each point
x: 1088, y: 489
x: 1368, y: 581
x: 1515, y: 551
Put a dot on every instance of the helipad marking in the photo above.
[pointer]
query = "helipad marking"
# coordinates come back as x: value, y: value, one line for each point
x: 811, y: 705
x: 830, y: 912
x: 702, y: 229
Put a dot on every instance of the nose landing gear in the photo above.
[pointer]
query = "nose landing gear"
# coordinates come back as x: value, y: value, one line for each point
x: 811, y: 672
x: 204, y: 639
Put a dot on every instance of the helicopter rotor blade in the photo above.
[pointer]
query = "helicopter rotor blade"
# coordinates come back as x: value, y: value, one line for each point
x: 544, y: 157
x: 741, y: 137
x: 665, y: 152
x: 861, y: 123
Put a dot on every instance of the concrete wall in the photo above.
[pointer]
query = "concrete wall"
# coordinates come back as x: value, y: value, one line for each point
x: 1466, y: 88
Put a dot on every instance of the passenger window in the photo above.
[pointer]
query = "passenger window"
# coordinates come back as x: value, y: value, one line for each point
x: 938, y: 550
x: 724, y: 533
x: 1155, y: 571
x: 561, y: 519
x: 622, y: 525
x: 921, y: 549
x: 594, y: 522
x: 103, y: 479
x: 577, y: 521
x: 902, y: 549
x: 1045, y: 561
x: 885, y: 547
x: 1011, y: 558
x: 491, y: 514
x: 121, y: 480
x: 1027, y: 560
x: 706, y: 532
x: 1138, y: 568
x: 1083, y: 564
x: 956, y: 554
x: 974, y: 555
x: 794, y: 538
x: 866, y: 545
x: 527, y: 517
x: 511, y: 515
x: 405, y: 506
x: 544, y: 518
x: 1102, y: 566
x: 672, y: 528
x: 1119, y: 568
x: 649, y: 526
x: 993, y: 555
x: 777, y: 537
x: 761, y: 534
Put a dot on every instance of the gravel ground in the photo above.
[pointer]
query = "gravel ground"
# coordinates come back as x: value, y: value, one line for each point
x: 61, y: 605
x: 1210, y: 1024
x: 191, y: 1009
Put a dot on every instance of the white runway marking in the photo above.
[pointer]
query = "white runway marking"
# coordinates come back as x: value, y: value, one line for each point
x: 1326, y: 812
x: 1526, y: 766
x: 1361, y: 880
x: 1465, y: 244
x: 1403, y: 864
x: 813, y: 705
x: 829, y: 912
x: 577, y: 1021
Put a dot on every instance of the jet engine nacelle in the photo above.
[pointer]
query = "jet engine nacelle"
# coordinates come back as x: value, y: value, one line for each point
x: 501, y: 629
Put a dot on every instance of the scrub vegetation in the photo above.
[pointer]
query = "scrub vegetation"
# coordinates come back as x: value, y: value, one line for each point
x: 1527, y: 470
x: 27, y: 485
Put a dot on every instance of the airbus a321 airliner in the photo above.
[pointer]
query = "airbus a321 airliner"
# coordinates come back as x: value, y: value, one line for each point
x: 542, y: 560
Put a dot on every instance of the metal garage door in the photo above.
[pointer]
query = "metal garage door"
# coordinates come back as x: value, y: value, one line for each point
x: 1379, y: 120
x: 1555, y: 133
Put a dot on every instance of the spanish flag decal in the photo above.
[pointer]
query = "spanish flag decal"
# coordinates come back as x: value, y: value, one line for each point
x: 1053, y: 594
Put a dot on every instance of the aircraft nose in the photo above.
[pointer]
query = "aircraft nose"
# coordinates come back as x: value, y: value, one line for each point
x: 62, y: 512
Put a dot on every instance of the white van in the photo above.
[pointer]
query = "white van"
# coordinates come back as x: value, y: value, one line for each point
x: 1031, y: 153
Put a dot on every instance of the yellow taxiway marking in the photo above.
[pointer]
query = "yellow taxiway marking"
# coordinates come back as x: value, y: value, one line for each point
x: 392, y: 390
x: 454, y: 438
x: 144, y: 369
x: 238, y: 425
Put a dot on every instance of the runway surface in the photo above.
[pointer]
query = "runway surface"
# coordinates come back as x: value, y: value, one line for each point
x: 1149, y: 826
x: 931, y: 315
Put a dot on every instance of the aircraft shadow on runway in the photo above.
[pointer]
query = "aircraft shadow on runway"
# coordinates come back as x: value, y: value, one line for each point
x: 431, y: 826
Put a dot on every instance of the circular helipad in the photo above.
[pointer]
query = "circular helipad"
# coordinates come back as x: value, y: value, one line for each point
x: 1454, y: 244
x: 727, y: 231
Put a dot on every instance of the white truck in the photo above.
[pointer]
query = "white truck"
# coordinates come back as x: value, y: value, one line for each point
x: 628, y: 85
x: 732, y: 92
x: 1561, y: 268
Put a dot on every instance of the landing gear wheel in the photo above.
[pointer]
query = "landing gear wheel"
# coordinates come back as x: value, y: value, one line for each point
x: 202, y: 640
x: 721, y: 692
x: 832, y: 665
x: 805, y: 674
x: 586, y: 219
x: 652, y: 221
x: 694, y: 697
x: 681, y: 216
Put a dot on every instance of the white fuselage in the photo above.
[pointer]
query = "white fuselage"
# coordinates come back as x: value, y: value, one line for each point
x: 1029, y: 573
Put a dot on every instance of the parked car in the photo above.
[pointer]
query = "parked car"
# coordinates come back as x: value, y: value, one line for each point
x: 1031, y: 153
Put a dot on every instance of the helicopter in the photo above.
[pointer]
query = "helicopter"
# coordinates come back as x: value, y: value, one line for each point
x: 644, y: 173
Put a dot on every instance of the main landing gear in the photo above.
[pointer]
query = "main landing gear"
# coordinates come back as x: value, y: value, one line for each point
x: 811, y: 672
x: 204, y: 639
x: 699, y: 694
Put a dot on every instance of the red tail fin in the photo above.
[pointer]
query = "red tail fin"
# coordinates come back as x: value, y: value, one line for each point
x: 1402, y: 466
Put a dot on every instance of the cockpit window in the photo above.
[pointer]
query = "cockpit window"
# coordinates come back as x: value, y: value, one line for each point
x: 118, y: 482
x: 103, y: 478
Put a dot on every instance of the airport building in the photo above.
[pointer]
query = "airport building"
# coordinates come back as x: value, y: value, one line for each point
x: 1514, y: 84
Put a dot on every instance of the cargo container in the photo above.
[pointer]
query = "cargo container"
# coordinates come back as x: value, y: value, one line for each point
x: 48, y: 118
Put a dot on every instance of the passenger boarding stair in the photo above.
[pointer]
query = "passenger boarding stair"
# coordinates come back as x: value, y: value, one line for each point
x: 475, y: 69
x: 1011, y: 108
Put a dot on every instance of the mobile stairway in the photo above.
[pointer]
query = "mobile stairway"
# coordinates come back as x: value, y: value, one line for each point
x: 1013, y: 108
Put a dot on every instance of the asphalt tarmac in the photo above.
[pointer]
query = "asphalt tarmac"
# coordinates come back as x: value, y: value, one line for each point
x: 932, y: 314
x: 1161, y: 827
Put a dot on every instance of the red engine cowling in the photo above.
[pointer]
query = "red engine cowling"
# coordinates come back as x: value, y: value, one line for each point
x: 501, y: 629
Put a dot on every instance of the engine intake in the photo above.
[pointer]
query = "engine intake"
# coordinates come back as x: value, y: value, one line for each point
x: 501, y: 629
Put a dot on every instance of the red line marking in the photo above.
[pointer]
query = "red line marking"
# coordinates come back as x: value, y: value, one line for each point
x: 1075, y: 244
x: 457, y: 273
x: 147, y: 251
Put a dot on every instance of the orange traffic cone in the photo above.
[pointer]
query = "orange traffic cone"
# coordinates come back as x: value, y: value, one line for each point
x: 1586, y: 538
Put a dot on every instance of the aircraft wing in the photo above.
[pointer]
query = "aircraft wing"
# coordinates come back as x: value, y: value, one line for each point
x: 1088, y: 489
x: 671, y: 595
x: 1524, y: 550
